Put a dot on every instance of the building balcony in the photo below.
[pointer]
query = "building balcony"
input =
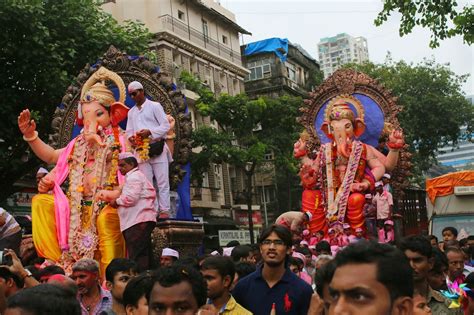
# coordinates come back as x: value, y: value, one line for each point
x: 262, y: 86
x: 205, y: 197
x: 189, y: 34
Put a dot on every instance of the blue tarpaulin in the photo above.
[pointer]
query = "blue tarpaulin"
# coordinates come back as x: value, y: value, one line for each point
x: 277, y: 45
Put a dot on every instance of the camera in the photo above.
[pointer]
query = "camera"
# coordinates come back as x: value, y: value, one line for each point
x: 5, y: 259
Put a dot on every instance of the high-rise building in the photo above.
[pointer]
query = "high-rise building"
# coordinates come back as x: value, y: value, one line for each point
x: 341, y: 49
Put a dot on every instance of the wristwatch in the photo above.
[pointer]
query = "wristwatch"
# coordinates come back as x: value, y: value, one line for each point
x: 25, y: 274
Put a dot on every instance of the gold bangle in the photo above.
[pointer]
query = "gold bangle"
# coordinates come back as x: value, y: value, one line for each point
x: 171, y: 137
x: 31, y: 138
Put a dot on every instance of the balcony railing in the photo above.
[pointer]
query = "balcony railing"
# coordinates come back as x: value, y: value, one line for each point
x: 181, y: 29
x: 205, y: 194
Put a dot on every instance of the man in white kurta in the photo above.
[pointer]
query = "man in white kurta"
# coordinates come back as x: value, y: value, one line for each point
x: 148, y: 119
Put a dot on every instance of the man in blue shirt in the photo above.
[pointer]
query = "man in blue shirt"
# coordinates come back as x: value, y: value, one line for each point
x: 273, y: 283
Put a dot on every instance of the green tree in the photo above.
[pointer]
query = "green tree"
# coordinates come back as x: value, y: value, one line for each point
x: 280, y: 129
x: 434, y: 107
x: 236, y: 140
x: 442, y: 17
x: 247, y: 130
x: 45, y: 43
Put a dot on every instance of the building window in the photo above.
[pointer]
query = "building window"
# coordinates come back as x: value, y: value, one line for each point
x: 224, y: 39
x: 205, y: 31
x: 181, y: 15
x: 258, y: 70
x: 269, y: 156
x: 291, y: 72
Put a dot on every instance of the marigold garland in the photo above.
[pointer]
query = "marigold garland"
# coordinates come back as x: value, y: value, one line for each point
x: 142, y: 147
x: 112, y: 178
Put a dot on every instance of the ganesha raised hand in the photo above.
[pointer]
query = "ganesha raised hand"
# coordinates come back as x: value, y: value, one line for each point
x: 396, y: 140
x: 27, y: 126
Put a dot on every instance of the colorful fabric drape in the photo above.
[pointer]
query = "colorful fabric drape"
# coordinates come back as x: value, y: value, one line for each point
x: 444, y: 185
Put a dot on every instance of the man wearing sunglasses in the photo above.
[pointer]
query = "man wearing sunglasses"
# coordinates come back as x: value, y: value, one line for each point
x: 147, y: 119
x: 273, y: 283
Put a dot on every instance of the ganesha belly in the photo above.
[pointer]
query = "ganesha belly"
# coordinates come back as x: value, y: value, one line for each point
x: 75, y: 224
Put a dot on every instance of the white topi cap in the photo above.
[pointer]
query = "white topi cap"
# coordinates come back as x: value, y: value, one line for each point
x: 42, y: 170
x: 170, y: 252
x: 378, y: 184
x: 125, y: 155
x: 135, y: 85
x: 387, y: 176
x: 368, y: 196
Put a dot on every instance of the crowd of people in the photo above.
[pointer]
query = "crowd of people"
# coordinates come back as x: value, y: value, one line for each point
x: 276, y: 276
x: 343, y: 270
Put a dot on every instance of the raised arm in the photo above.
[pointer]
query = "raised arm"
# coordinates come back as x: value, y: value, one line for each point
x: 395, y: 143
x: 28, y: 128
x: 376, y: 166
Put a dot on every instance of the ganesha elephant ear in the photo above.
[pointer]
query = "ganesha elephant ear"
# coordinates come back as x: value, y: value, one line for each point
x: 326, y: 128
x: 359, y: 127
x: 118, y: 112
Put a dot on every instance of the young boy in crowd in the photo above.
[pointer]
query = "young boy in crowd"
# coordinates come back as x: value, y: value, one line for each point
x: 117, y: 274
x: 219, y: 274
x: 135, y: 295
x: 450, y: 234
x: 387, y: 234
x: 420, y: 305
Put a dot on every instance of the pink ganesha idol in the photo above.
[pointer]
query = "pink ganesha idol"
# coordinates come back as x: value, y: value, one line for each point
x: 76, y: 224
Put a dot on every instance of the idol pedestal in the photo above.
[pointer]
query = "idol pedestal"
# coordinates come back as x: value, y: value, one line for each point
x: 183, y: 236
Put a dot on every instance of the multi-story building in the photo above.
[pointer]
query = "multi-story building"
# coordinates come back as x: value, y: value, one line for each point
x: 277, y: 67
x: 341, y: 49
x: 201, y: 37
x: 461, y: 156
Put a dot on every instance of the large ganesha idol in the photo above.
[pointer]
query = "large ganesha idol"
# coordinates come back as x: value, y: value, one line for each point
x: 74, y: 224
x: 346, y: 162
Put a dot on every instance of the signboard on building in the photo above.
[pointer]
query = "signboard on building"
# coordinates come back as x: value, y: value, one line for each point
x: 241, y: 218
x: 225, y: 236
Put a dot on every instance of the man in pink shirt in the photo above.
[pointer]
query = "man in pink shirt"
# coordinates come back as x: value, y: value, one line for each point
x: 136, y: 210
x: 347, y: 237
x: 383, y: 201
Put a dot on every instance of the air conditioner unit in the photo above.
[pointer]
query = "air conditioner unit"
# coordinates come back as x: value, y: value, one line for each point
x: 463, y: 190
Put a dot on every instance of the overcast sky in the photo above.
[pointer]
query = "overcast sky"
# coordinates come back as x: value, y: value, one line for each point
x: 306, y: 22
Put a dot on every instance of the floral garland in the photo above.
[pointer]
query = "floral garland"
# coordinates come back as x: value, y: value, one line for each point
x: 84, y: 238
x: 112, y: 178
x: 337, y: 204
x: 142, y: 147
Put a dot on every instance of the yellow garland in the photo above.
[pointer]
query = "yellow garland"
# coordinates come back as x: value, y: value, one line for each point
x: 142, y: 147
x: 112, y: 178
x: 143, y: 153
